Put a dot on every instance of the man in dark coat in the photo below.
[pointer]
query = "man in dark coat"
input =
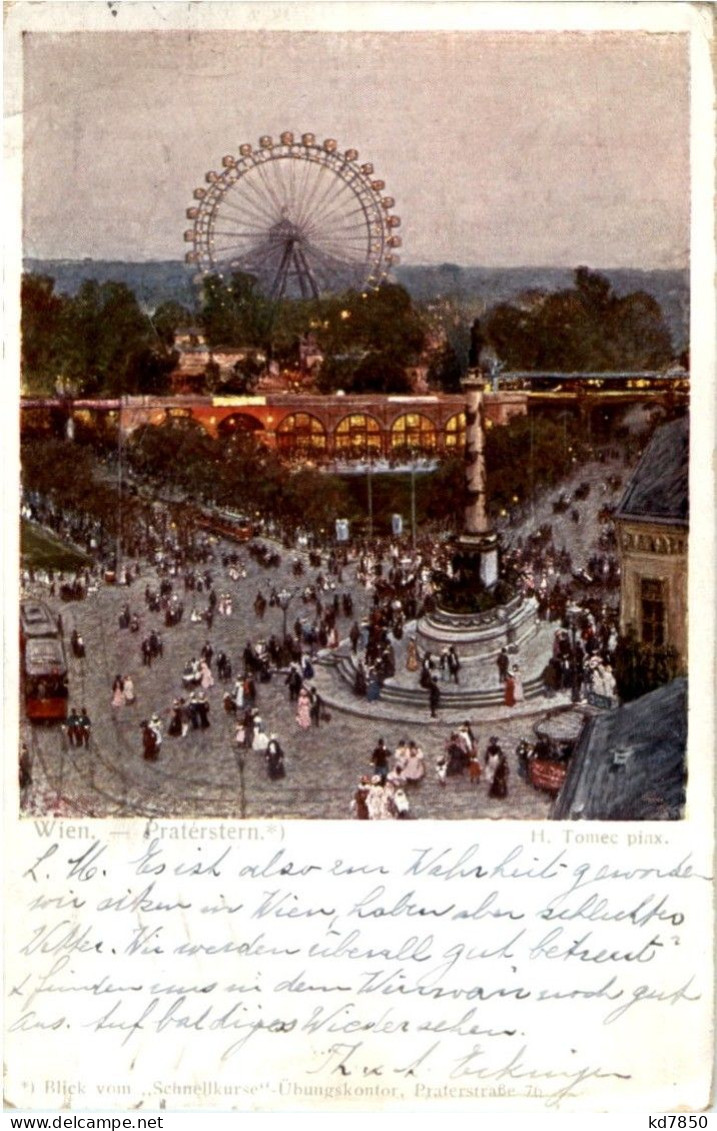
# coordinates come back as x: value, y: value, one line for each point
x: 503, y: 663
x: 434, y: 696
x: 454, y: 663
x: 380, y: 758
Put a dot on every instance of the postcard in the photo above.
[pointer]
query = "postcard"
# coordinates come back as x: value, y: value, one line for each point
x: 360, y: 379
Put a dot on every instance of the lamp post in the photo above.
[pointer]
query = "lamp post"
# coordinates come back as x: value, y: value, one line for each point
x: 369, y: 458
x: 413, y: 498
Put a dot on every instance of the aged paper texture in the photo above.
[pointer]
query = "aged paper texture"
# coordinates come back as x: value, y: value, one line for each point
x: 205, y: 928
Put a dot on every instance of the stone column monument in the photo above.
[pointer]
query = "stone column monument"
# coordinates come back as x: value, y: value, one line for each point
x: 477, y: 546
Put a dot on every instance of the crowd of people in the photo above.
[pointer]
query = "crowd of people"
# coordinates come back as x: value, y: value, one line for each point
x: 368, y: 593
x: 384, y: 793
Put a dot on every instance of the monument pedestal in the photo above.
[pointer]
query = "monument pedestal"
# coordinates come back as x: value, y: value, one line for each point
x: 480, y: 551
x: 479, y: 636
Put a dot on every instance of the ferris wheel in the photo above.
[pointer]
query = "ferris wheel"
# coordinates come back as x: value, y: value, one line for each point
x: 301, y: 216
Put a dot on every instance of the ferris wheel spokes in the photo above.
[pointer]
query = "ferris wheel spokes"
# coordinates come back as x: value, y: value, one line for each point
x: 301, y: 216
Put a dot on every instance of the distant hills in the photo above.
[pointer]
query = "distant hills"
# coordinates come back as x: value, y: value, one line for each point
x: 476, y: 288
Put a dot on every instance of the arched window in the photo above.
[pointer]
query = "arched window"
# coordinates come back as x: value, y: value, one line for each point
x: 181, y: 418
x: 455, y: 432
x: 301, y: 435
x: 413, y: 432
x: 238, y: 422
x: 357, y: 434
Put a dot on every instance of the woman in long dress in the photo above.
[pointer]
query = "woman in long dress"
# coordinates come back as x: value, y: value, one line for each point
x: 118, y: 692
x: 412, y: 656
x: 303, y: 708
x: 129, y: 695
x: 206, y: 678
x: 509, y: 696
x: 518, y: 692
x: 499, y: 782
x: 414, y: 767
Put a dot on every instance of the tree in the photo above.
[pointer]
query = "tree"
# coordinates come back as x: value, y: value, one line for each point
x: 167, y: 319
x: 586, y: 328
x: 235, y: 313
x: 40, y: 320
x: 103, y: 337
x: 379, y: 373
x: 444, y: 370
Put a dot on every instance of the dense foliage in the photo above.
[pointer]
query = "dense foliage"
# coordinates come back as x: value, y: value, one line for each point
x: 102, y: 341
x: 587, y: 328
x: 97, y: 341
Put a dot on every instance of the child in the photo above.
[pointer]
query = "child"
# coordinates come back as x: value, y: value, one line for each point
x: 474, y: 768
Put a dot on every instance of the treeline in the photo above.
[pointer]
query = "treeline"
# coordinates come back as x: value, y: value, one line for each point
x: 100, y: 341
x: 585, y: 328
x: 96, y: 342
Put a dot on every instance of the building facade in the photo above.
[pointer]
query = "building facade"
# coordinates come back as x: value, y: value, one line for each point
x: 307, y: 426
x: 652, y: 523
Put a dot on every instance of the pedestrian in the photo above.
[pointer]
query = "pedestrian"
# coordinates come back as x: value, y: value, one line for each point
x: 377, y: 800
x: 499, y: 780
x: 413, y: 764
x: 509, y: 691
x: 206, y: 678
x: 434, y: 696
x: 400, y: 804
x: 238, y: 693
x: 359, y: 807
x: 193, y: 710
x: 518, y: 692
x: 150, y: 747
x: 174, y: 730
x: 503, y: 663
x: 72, y: 725
x: 380, y: 758
x: 275, y: 759
x: 303, y: 708
x: 315, y: 706
x: 128, y: 690
x: 412, y: 662
x: 202, y: 710
x: 118, y: 692
x: 427, y: 666
x: 294, y: 681
x: 453, y: 663
x: 155, y: 725
x: 84, y: 727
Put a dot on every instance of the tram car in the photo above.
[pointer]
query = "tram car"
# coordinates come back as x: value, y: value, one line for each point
x: 227, y: 524
x: 43, y: 663
x: 36, y: 622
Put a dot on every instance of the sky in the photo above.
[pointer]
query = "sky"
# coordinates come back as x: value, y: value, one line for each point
x: 500, y: 148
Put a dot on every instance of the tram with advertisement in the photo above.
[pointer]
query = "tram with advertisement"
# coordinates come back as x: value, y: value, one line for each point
x: 43, y: 663
x: 226, y: 524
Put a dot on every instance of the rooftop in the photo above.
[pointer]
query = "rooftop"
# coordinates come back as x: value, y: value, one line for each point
x: 659, y: 487
x: 629, y: 763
